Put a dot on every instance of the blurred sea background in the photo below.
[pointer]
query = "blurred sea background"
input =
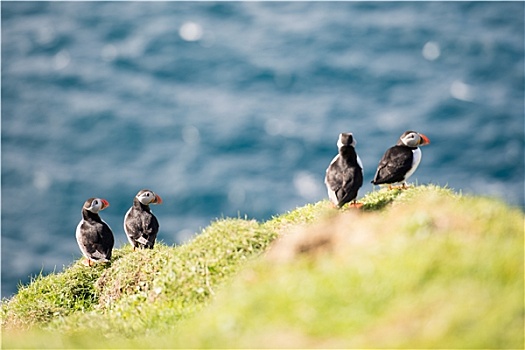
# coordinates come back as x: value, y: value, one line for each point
x: 231, y: 109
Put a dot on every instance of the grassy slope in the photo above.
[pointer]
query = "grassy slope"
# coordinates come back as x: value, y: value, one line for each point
x: 431, y: 269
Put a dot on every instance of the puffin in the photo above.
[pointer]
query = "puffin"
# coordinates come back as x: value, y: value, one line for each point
x: 94, y: 237
x: 140, y: 225
x: 344, y: 175
x: 400, y: 161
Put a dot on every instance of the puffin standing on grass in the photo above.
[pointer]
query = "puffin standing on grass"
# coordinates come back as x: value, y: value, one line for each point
x: 140, y: 225
x: 400, y: 161
x: 94, y: 237
x: 344, y: 175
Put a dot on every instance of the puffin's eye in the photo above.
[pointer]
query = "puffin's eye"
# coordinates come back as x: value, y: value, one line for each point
x: 147, y: 194
x: 95, y: 202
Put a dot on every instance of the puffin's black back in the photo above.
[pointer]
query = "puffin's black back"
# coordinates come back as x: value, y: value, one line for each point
x: 394, y: 164
x: 344, y: 176
x: 96, y: 236
x: 141, y: 223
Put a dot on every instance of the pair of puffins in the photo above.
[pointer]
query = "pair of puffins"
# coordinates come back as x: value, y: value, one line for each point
x: 344, y: 175
x: 95, y: 238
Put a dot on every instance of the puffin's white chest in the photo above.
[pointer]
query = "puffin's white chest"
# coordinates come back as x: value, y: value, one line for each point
x: 416, y: 159
x: 359, y: 162
x: 78, y: 232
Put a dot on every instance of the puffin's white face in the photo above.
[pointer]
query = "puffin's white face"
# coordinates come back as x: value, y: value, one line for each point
x: 95, y: 205
x: 414, y: 139
x: 147, y: 197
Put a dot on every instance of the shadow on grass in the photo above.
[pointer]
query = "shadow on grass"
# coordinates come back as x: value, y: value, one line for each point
x: 380, y: 199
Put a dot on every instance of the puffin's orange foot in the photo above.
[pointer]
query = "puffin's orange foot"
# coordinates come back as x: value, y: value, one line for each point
x: 87, y: 262
x: 400, y: 187
x: 355, y: 205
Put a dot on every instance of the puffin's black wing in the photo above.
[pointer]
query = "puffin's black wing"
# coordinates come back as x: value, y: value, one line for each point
x: 353, y: 180
x: 396, y: 162
x: 344, y: 181
x: 151, y: 230
x: 334, y: 176
x: 142, y: 228
x: 132, y: 225
x: 97, y: 240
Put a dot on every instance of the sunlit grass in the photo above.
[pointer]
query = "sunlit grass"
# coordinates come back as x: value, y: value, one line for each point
x: 428, y: 274
x: 423, y: 267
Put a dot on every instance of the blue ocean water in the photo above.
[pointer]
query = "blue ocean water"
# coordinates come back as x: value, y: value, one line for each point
x: 234, y: 108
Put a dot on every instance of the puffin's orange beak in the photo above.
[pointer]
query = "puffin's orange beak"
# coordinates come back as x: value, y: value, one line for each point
x: 424, y: 140
x: 157, y: 199
x: 105, y: 204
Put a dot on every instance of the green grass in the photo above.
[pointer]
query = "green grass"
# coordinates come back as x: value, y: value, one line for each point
x: 423, y: 267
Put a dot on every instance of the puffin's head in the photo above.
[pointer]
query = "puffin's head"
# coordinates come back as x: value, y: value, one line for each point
x: 147, y: 197
x: 346, y: 139
x: 413, y: 139
x: 95, y: 205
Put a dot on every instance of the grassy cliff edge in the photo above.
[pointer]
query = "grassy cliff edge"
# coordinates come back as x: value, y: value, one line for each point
x: 423, y: 267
